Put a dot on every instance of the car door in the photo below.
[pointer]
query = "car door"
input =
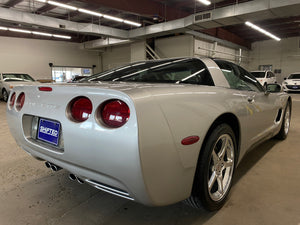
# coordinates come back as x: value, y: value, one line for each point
x: 262, y: 110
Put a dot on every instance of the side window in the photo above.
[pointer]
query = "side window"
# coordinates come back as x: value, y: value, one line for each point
x: 239, y: 78
x: 250, y: 80
x: 232, y: 75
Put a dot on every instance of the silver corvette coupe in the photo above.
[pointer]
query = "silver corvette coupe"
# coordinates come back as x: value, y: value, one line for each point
x: 156, y: 132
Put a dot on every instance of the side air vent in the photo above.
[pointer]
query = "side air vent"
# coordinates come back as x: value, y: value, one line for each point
x: 278, y: 115
x: 203, y: 16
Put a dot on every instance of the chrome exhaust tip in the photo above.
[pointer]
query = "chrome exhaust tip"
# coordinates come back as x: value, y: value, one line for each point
x: 72, y: 176
x: 55, y: 168
x: 79, y: 180
x: 48, y: 164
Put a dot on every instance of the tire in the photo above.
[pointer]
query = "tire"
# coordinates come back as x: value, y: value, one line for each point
x: 215, y: 169
x: 4, y: 95
x: 285, y: 126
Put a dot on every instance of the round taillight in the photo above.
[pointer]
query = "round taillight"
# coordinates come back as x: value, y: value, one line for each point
x: 12, y: 100
x: 115, y: 113
x: 20, y: 101
x: 81, y: 109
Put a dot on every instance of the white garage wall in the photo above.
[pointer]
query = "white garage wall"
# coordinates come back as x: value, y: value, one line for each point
x: 284, y: 55
x: 33, y: 56
x: 176, y: 46
x: 115, y: 56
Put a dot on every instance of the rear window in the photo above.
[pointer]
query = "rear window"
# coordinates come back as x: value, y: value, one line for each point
x: 11, y: 77
x: 191, y: 71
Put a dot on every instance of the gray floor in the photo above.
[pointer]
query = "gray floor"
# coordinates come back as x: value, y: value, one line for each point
x: 266, y: 190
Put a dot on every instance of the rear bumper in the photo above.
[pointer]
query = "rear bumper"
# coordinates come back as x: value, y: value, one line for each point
x: 89, y: 151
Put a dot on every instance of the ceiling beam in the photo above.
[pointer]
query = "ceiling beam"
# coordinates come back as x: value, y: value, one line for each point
x: 147, y: 8
x: 48, y: 7
x: 11, y: 3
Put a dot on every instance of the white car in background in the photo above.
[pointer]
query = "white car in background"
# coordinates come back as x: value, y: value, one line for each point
x: 292, y: 83
x: 265, y: 77
x: 10, y: 80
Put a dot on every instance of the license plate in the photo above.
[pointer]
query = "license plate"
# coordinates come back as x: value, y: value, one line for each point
x: 48, y: 131
x: 295, y: 87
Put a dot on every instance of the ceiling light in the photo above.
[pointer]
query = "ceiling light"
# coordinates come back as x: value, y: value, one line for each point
x: 132, y: 23
x: 42, y: 1
x: 41, y: 33
x: 3, y: 28
x: 90, y: 12
x: 62, y: 5
x: 113, y: 18
x: 205, y: 2
x: 19, y: 30
x: 262, y: 31
x: 62, y: 36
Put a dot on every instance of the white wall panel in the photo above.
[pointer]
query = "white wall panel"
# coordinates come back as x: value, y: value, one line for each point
x: 284, y: 55
x: 137, y: 51
x: 116, y: 56
x: 176, y: 46
x: 33, y: 56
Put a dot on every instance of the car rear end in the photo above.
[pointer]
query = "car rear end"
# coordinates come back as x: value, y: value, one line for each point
x: 76, y: 129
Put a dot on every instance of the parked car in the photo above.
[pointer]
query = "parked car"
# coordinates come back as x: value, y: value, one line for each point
x: 265, y: 77
x: 292, y: 82
x: 9, y: 80
x: 156, y: 132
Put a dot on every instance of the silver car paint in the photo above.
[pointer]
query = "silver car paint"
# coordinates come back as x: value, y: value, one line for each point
x: 145, y: 157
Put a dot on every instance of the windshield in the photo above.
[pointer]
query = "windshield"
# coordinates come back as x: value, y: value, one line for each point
x: 258, y: 74
x: 11, y: 77
x: 294, y: 76
x: 192, y: 71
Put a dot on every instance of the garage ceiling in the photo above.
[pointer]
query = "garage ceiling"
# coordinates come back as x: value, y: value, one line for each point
x: 223, y: 19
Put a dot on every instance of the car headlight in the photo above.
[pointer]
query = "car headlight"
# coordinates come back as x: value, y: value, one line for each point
x: 285, y: 83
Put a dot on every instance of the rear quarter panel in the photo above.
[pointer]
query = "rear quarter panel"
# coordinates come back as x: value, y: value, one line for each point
x: 165, y: 117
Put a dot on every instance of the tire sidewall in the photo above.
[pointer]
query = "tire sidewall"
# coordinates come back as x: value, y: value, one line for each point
x: 203, y: 171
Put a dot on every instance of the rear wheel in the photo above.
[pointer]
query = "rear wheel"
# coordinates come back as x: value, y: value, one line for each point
x: 215, y: 170
x: 285, y: 126
x: 4, y: 95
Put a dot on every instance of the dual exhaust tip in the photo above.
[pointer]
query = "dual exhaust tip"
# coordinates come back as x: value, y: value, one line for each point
x: 73, y: 177
x: 52, y: 166
x: 56, y: 168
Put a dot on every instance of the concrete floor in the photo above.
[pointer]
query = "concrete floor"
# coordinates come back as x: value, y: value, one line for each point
x: 265, y: 191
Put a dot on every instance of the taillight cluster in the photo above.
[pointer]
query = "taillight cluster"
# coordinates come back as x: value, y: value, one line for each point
x: 19, y: 103
x: 112, y: 113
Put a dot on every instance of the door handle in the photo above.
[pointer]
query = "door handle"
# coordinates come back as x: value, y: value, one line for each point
x: 250, y: 99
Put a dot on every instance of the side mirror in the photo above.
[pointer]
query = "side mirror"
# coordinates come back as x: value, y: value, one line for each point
x: 273, y: 88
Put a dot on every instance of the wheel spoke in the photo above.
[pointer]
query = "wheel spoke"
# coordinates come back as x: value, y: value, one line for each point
x: 212, y: 180
x: 220, y: 184
x: 228, y: 163
x: 215, y: 157
x: 225, y: 144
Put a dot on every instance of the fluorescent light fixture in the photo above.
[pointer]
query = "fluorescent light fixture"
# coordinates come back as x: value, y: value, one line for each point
x: 62, y: 5
x: 262, y: 31
x: 3, y: 28
x: 41, y: 33
x: 132, y: 23
x: 19, y: 30
x: 113, y: 18
x: 205, y: 2
x: 90, y: 12
x: 62, y: 36
x: 42, y: 1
